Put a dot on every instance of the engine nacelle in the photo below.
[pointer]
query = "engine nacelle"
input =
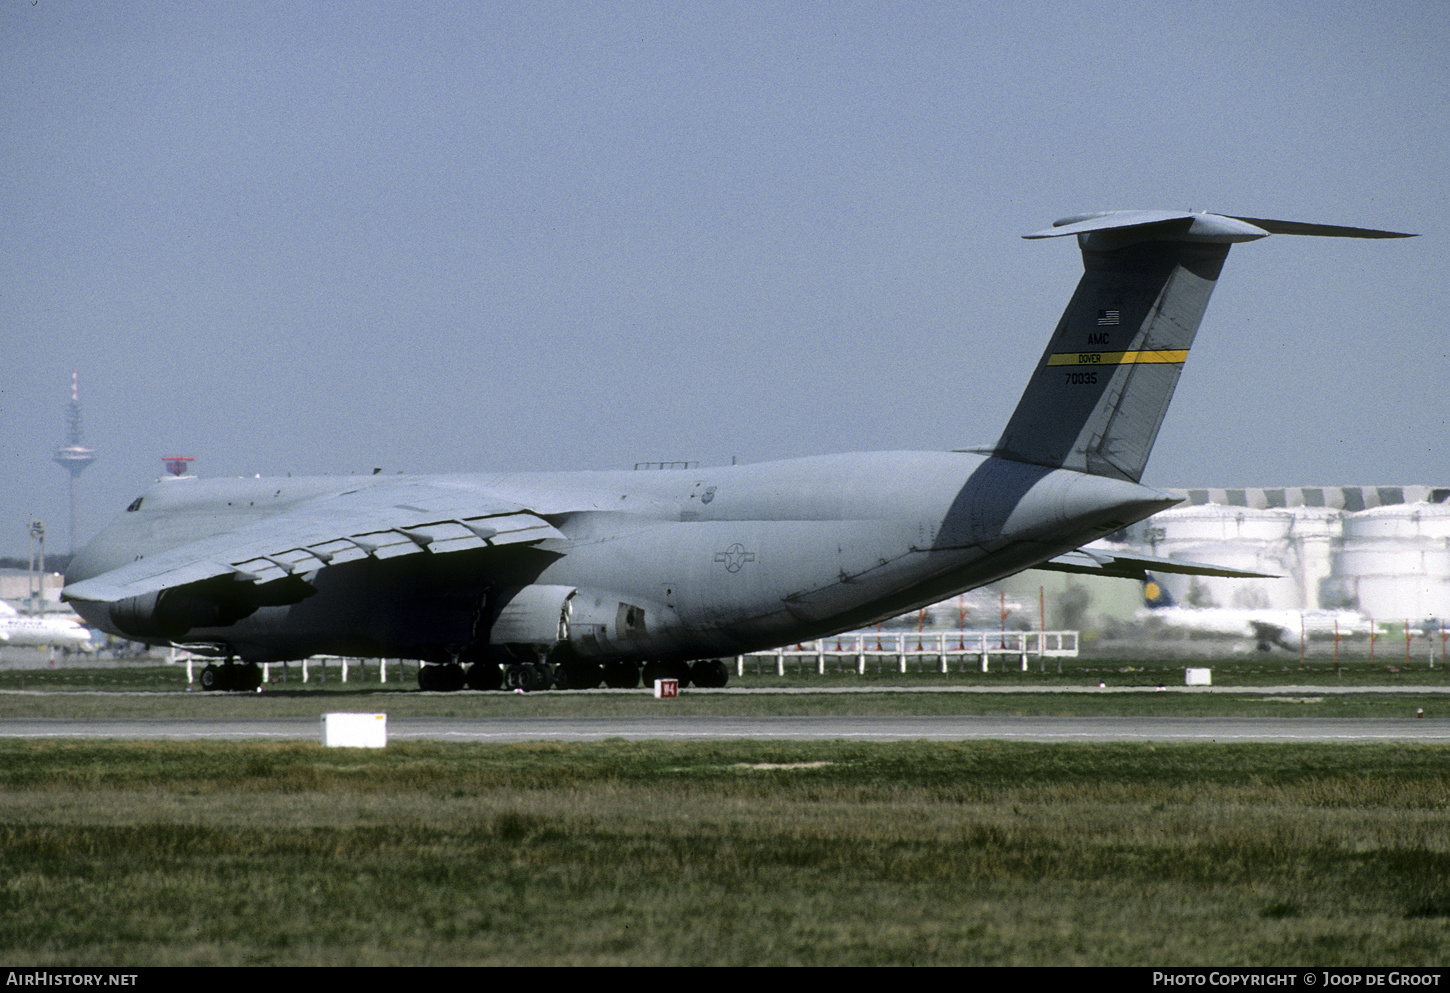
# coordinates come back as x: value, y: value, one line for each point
x: 170, y: 614
x: 165, y: 614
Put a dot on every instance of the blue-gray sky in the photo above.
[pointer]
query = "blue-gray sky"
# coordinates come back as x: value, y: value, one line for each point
x: 323, y: 237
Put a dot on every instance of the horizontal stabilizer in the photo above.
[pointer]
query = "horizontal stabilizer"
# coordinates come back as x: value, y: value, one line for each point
x: 1320, y: 230
x: 1096, y: 562
x: 1185, y: 225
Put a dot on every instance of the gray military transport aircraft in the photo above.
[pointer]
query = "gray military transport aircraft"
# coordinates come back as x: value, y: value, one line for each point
x: 532, y: 580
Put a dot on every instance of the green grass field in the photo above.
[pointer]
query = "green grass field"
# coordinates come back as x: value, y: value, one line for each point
x: 737, y: 853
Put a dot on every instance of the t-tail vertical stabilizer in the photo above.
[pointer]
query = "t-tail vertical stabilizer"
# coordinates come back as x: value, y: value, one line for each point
x: 1102, y: 387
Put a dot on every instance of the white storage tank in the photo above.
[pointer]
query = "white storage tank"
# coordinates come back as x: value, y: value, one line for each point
x: 1394, y: 562
x: 1244, y: 538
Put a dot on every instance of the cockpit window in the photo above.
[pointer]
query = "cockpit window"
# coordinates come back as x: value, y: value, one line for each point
x: 135, y: 504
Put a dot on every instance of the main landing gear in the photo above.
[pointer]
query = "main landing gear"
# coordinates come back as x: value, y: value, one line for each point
x: 449, y: 676
x: 576, y: 674
x: 706, y: 673
x: 230, y: 675
x: 443, y: 678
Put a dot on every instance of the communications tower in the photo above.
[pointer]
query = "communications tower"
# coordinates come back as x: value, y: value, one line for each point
x: 74, y: 456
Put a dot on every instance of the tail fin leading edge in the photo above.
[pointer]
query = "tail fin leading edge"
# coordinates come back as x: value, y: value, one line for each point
x: 1103, y: 385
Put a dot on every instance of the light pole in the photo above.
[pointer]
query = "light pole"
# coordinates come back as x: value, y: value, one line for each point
x: 37, y: 567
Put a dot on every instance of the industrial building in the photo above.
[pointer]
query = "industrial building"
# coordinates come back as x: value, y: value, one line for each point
x: 1383, y: 551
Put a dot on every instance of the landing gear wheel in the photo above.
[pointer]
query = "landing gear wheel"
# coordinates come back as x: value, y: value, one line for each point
x: 527, y: 676
x: 484, y: 676
x: 247, y: 677
x: 585, y: 675
x: 710, y: 674
x: 655, y: 671
x: 442, y: 678
x: 210, y: 678
x: 621, y: 675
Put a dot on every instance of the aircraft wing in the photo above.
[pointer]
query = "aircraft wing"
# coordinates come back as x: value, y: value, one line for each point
x: 381, y: 521
x: 1097, y: 562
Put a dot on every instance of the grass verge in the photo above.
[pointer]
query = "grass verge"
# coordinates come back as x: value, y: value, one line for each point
x: 733, y: 853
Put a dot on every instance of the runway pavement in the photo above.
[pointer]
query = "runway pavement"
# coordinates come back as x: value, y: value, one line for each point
x: 895, y: 728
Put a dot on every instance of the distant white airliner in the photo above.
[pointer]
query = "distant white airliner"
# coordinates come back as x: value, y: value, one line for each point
x: 1286, y: 628
x: 42, y: 630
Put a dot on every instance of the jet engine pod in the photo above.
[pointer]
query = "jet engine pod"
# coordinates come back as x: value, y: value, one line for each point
x: 216, y: 602
x: 164, y: 614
